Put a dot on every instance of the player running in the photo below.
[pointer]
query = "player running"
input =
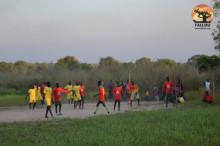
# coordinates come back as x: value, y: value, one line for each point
x: 134, y: 92
x: 32, y: 93
x: 118, y: 93
x: 82, y: 93
x: 102, y: 97
x: 56, y: 94
x: 48, y: 96
x: 168, y: 85
x: 77, y: 96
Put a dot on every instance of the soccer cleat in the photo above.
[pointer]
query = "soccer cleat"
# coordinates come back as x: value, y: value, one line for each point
x: 57, y: 114
x: 46, y: 117
x: 108, y: 112
x: 60, y: 114
x: 94, y: 113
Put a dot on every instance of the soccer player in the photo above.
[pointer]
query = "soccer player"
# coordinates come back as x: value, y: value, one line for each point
x: 207, y: 98
x: 32, y: 93
x: 168, y: 85
x: 128, y: 90
x: 48, y: 96
x: 69, y: 87
x: 118, y: 92
x: 38, y: 94
x: 82, y: 93
x: 77, y: 96
x: 102, y: 97
x: 56, y: 94
x: 134, y: 92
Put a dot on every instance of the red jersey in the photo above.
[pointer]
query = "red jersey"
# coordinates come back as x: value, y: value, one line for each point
x: 128, y: 89
x: 101, y: 93
x: 57, y: 93
x: 118, y: 91
x: 82, y: 90
x: 42, y: 88
x: 168, y: 86
x: 208, y: 97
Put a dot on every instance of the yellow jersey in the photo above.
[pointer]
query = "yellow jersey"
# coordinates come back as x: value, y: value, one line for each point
x: 32, y: 93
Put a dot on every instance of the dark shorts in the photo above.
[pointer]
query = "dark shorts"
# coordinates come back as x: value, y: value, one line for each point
x: 117, y: 100
x: 57, y: 103
x: 169, y: 96
x: 100, y: 102
x: 128, y: 95
x: 83, y: 98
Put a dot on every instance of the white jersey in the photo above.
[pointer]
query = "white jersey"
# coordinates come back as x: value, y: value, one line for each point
x: 207, y: 85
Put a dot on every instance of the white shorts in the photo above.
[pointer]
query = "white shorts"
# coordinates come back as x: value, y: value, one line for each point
x: 133, y: 96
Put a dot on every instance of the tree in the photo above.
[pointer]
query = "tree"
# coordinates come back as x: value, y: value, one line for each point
x: 143, y: 61
x: 4, y: 66
x: 193, y: 59
x: 108, y: 62
x: 128, y: 65
x: 68, y: 62
x: 206, y: 63
x: 216, y: 31
x: 86, y: 66
x: 166, y: 62
x: 203, y: 14
x: 20, y: 66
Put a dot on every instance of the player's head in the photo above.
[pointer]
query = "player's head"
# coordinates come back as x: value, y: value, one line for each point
x: 48, y: 84
x: 132, y: 82
x: 81, y: 83
x: 168, y: 78
x: 70, y: 83
x: 57, y: 84
x: 33, y: 86
x: 207, y: 92
x: 118, y: 84
x: 99, y: 83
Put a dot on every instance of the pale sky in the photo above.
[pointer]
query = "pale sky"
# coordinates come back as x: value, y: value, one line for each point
x: 46, y: 30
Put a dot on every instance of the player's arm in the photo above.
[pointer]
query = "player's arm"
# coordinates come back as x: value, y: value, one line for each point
x: 96, y: 95
x: 164, y: 86
x: 26, y: 96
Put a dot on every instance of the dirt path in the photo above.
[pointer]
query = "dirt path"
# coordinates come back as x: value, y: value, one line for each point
x: 11, y: 114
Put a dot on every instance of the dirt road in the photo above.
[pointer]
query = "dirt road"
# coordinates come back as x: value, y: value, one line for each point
x: 11, y: 114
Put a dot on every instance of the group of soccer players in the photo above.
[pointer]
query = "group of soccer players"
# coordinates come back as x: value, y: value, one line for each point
x: 77, y: 94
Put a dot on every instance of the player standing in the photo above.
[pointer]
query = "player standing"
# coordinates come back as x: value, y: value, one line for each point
x: 48, y: 97
x: 77, y: 96
x: 118, y: 92
x: 134, y: 92
x: 32, y: 93
x: 168, y: 85
x: 82, y: 93
x: 56, y: 94
x: 69, y: 87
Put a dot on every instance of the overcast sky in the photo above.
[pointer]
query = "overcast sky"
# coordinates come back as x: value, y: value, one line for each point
x: 46, y: 30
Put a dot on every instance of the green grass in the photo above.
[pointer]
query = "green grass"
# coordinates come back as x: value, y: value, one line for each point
x: 195, y: 126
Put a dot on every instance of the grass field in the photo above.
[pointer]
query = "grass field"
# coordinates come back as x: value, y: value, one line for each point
x: 194, y: 126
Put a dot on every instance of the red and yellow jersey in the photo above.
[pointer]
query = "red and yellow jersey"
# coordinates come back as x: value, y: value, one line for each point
x: 102, y: 93
x: 118, y: 92
x: 134, y: 88
x: 168, y: 85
